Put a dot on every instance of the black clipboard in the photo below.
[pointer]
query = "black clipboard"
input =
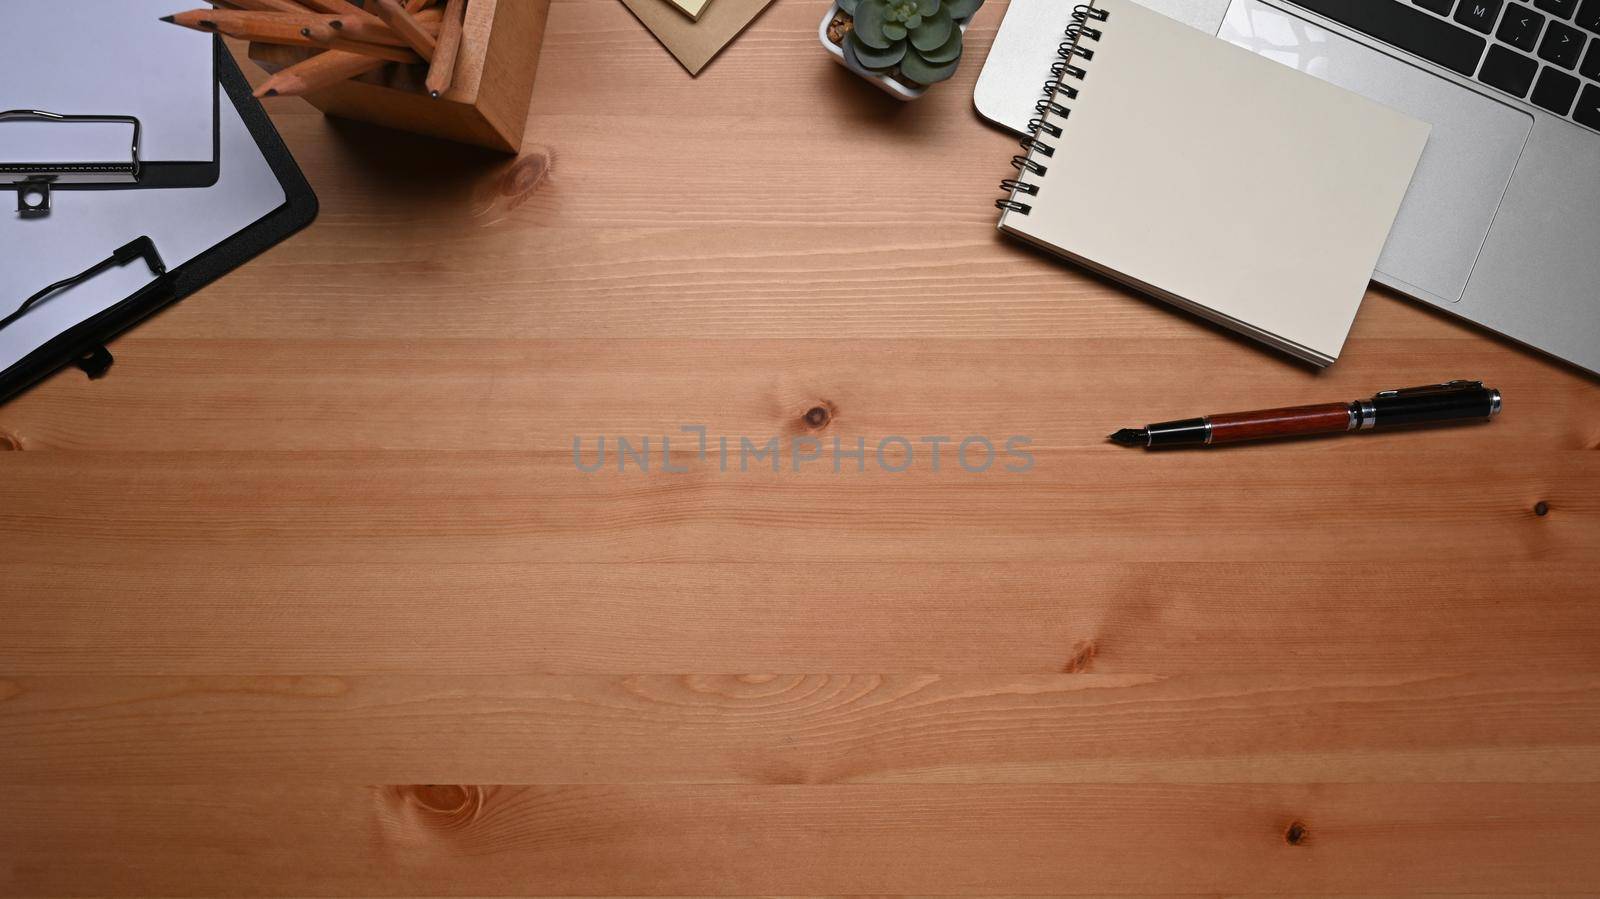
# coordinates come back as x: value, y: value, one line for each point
x: 84, y: 345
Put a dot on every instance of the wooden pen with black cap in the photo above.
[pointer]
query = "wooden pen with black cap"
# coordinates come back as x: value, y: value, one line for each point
x: 1453, y: 401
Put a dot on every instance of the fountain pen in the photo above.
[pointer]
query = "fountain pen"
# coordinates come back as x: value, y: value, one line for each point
x: 1453, y: 401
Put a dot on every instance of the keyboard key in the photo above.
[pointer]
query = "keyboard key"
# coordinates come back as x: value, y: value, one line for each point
x: 1508, y: 70
x: 1520, y: 27
x: 1408, y: 28
x: 1442, y: 7
x: 1478, y: 14
x: 1562, y: 8
x: 1589, y: 15
x: 1562, y: 45
x: 1555, y: 91
x: 1588, y: 111
x: 1591, y: 62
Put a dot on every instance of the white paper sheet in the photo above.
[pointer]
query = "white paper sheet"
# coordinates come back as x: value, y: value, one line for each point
x: 86, y: 226
x: 119, y: 59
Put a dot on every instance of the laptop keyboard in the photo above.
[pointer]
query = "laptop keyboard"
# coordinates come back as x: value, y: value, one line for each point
x: 1546, y: 52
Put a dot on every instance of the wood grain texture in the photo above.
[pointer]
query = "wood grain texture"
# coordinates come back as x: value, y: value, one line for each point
x: 308, y: 597
x: 459, y: 394
x: 1086, y: 505
x: 802, y: 729
x: 521, y: 618
x: 674, y: 840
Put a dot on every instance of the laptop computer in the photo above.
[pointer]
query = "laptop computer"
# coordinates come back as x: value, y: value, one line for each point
x: 1502, y: 222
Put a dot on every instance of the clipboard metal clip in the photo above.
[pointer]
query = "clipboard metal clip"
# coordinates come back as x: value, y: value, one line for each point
x: 33, y: 198
x: 140, y: 248
x: 33, y: 179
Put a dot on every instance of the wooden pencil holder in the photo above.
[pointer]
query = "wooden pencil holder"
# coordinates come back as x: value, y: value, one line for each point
x: 488, y: 103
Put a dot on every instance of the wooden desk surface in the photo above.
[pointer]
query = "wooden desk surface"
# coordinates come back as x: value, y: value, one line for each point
x: 308, y: 597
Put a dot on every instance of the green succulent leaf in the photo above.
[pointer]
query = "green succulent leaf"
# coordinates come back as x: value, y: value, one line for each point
x: 869, y: 25
x: 849, y: 6
x: 934, y: 31
x: 914, y: 68
x: 914, y: 22
x: 894, y: 31
x: 850, y: 52
x: 873, y: 58
x: 927, y: 7
x: 949, y: 52
x: 962, y: 9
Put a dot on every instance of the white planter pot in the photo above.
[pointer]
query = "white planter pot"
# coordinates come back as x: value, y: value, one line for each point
x: 888, y: 85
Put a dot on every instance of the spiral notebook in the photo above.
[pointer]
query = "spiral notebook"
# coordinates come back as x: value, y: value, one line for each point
x: 1237, y: 188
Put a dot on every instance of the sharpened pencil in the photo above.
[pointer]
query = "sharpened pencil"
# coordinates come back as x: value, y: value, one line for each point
x: 362, y: 27
x: 323, y: 70
x: 249, y: 24
x: 265, y: 5
x: 298, y: 30
x: 442, y: 71
x: 370, y: 29
x: 386, y: 52
x: 406, y: 25
x: 329, y: 68
x: 338, y: 8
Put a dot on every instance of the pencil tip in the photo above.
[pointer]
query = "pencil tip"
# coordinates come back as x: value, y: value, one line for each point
x: 1129, y: 437
x: 173, y: 20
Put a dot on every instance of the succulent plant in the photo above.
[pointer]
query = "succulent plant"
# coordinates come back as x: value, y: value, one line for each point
x: 920, y: 38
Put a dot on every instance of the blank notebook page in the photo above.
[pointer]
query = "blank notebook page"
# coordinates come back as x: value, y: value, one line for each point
x: 1224, y: 182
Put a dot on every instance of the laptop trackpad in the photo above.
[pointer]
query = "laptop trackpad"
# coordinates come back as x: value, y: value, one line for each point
x: 1474, y: 147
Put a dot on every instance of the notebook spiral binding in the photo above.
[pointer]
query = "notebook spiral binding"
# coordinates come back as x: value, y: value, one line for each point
x: 1040, y: 126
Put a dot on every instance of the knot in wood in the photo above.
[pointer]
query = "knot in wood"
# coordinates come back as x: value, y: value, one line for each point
x: 818, y: 416
x: 447, y: 805
x: 526, y: 174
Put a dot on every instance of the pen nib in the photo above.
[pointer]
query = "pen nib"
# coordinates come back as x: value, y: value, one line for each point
x: 1130, y: 437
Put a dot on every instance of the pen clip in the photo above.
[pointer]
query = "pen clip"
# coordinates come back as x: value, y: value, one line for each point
x: 1446, y: 387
